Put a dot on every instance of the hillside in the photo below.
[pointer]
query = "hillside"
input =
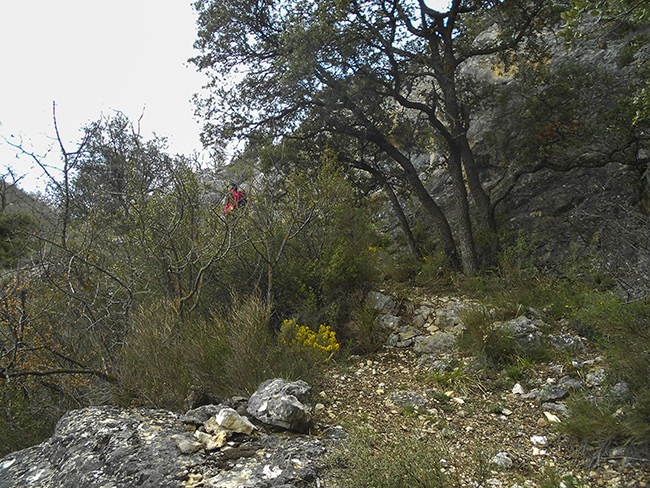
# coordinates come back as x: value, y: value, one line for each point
x: 402, y: 410
x: 494, y: 185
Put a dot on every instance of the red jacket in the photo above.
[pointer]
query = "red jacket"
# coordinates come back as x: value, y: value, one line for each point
x: 236, y: 199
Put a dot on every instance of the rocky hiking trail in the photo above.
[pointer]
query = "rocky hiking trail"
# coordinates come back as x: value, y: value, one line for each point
x: 398, y: 392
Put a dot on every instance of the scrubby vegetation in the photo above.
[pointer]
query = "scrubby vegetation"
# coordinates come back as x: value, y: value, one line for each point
x: 131, y: 287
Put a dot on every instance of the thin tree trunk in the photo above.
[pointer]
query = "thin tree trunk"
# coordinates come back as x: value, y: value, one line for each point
x: 403, y: 222
x: 440, y: 221
x: 401, y: 217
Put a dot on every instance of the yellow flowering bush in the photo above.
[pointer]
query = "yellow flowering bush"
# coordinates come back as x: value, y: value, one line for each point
x: 301, y: 338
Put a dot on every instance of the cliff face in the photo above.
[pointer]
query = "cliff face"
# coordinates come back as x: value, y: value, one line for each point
x: 573, y: 189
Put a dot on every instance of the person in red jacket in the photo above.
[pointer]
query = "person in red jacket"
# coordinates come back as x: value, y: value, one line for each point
x: 236, y: 198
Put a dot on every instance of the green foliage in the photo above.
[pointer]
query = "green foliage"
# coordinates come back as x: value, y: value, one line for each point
x: 631, y: 48
x: 621, y: 331
x: 594, y: 422
x: 15, y: 242
x: 316, y: 271
x: 311, y: 347
x: 518, y: 253
x: 165, y: 354
x: 641, y: 104
x: 605, y: 11
x: 433, y: 271
x: 552, y: 479
x: 587, y: 301
x: 459, y: 379
x: 559, y: 112
x: 23, y: 422
x: 360, y: 330
x: 115, y: 166
x: 371, y: 462
x: 481, y: 336
x: 401, y: 268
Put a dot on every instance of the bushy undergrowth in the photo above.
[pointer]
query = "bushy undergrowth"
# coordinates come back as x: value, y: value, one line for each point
x: 360, y: 331
x: 22, y: 423
x: 306, y: 345
x: 165, y: 354
x: 482, y: 337
x: 621, y: 331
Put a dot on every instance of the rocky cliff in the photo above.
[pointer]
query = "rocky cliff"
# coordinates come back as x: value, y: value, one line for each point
x: 586, y: 203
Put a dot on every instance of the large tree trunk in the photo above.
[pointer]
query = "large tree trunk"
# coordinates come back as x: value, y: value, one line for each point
x: 482, y: 202
x: 455, y: 168
x: 465, y: 234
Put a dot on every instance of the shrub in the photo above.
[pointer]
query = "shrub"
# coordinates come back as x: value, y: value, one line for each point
x: 621, y: 330
x: 311, y: 347
x: 24, y: 422
x: 14, y: 242
x: 164, y: 353
x: 586, y: 301
x: 433, y: 271
x: 229, y: 353
x: 371, y: 462
x: 360, y: 331
x: 482, y: 337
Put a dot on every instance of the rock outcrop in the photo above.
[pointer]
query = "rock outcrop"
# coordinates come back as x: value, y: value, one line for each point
x: 211, y: 446
x: 284, y: 404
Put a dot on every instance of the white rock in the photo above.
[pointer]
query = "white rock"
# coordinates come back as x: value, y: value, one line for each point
x: 212, y: 442
x: 272, y: 472
x: 518, y: 389
x: 229, y: 419
x: 552, y: 418
x: 186, y: 444
x: 539, y: 440
x: 502, y: 460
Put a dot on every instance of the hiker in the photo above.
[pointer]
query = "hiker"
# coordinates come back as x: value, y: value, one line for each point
x: 236, y: 198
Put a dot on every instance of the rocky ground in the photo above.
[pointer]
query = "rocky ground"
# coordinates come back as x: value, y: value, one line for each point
x: 393, y: 394
x: 405, y: 393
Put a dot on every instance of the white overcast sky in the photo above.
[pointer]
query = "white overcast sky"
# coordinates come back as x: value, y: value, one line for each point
x: 92, y: 58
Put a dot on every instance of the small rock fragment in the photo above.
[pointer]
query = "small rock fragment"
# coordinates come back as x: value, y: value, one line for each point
x: 539, y: 440
x: 186, y: 443
x: 502, y: 460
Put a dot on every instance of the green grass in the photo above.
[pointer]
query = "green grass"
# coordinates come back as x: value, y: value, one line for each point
x: 165, y: 354
x: 372, y: 460
x: 588, y: 302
